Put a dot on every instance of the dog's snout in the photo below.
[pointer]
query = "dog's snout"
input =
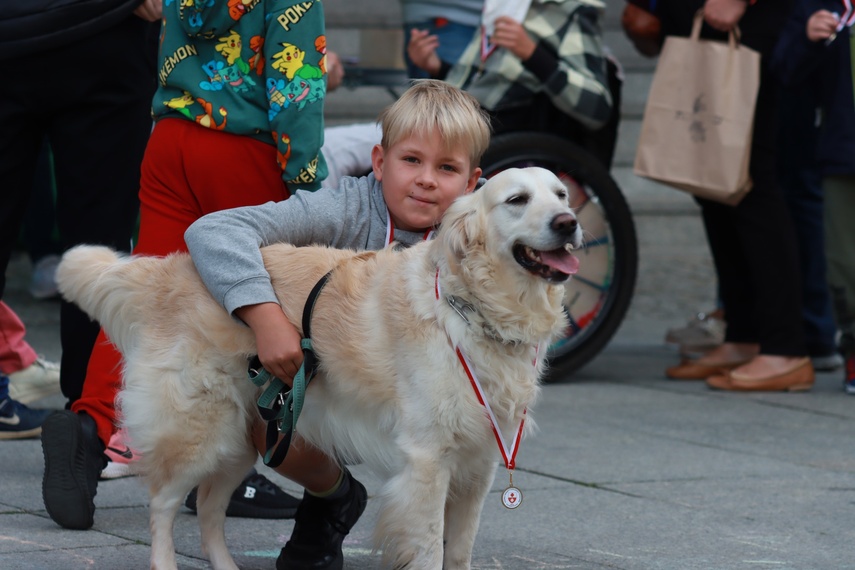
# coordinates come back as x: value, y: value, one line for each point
x: 565, y: 224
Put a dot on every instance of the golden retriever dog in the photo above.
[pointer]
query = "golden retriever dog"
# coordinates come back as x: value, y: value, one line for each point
x: 390, y: 392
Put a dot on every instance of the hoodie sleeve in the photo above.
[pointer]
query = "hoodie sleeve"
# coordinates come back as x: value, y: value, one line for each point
x: 796, y: 57
x: 295, y: 76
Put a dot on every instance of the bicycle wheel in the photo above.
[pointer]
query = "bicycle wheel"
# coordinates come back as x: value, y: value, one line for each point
x: 596, y: 298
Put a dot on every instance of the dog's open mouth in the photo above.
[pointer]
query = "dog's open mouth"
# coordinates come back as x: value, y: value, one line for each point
x: 556, y: 265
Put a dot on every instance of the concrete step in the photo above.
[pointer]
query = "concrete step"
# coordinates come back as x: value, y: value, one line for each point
x: 368, y: 32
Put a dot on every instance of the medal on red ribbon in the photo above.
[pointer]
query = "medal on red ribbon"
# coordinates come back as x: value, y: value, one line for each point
x: 511, y: 496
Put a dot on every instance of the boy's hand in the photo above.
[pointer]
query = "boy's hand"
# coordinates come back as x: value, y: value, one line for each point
x: 821, y: 25
x: 723, y: 15
x: 276, y: 339
x: 512, y: 36
x: 421, y: 50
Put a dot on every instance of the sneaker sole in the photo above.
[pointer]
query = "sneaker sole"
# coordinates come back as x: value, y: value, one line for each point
x: 27, y: 434
x: 116, y: 470
x: 64, y: 488
x: 250, y: 512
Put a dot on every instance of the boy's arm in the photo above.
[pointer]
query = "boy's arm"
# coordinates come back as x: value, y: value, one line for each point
x: 225, y: 247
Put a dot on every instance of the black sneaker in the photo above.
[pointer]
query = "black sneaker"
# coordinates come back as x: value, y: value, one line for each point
x: 256, y: 498
x: 17, y: 421
x: 319, y: 529
x: 74, y: 457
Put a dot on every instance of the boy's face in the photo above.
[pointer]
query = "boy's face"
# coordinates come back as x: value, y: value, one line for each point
x: 421, y: 179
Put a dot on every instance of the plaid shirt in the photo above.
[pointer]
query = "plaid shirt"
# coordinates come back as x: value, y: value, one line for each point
x: 568, y: 65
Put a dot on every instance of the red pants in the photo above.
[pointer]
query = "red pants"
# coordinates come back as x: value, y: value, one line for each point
x: 15, y: 352
x: 188, y: 171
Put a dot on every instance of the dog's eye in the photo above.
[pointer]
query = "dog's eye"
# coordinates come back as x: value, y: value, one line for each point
x: 517, y: 200
x: 561, y: 194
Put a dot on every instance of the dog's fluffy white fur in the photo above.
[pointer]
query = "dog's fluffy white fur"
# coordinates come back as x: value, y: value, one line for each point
x: 390, y: 392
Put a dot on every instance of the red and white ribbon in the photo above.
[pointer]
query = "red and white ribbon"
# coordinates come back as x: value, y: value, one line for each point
x: 509, y: 453
x: 848, y: 17
x: 390, y: 230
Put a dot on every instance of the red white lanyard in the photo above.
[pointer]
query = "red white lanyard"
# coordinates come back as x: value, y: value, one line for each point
x: 848, y: 17
x: 390, y: 230
x: 486, y: 47
x: 509, y: 454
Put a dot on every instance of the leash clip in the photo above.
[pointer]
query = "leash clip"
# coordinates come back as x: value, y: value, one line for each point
x: 460, y: 307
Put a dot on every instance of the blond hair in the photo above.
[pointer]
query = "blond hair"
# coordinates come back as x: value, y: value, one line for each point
x: 432, y: 104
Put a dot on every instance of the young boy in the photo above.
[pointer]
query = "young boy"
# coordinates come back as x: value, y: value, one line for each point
x: 433, y: 140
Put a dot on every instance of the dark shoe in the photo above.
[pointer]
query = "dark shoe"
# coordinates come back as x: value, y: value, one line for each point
x: 17, y: 421
x: 257, y: 497
x: 799, y: 378
x: 74, y: 457
x: 319, y: 529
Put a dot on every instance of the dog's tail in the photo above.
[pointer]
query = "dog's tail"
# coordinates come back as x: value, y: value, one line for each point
x: 108, y: 286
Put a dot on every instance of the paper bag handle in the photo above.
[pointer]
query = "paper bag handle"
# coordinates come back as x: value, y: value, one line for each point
x: 733, y: 37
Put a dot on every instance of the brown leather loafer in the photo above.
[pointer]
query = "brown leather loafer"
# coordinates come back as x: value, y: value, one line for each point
x: 799, y: 378
x: 693, y: 370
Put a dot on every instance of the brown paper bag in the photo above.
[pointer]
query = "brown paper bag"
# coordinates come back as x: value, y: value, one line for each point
x: 698, y: 122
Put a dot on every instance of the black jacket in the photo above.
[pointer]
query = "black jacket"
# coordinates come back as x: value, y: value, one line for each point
x: 828, y: 69
x: 31, y: 26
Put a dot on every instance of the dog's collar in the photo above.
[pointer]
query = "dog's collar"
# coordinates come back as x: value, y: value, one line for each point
x: 462, y: 307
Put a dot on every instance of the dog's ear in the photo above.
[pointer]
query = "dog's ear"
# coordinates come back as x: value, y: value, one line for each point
x: 460, y: 227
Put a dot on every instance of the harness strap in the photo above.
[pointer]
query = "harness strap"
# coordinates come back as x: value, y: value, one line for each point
x: 279, y: 405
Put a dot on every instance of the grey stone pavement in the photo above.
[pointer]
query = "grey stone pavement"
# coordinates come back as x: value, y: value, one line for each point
x: 626, y: 471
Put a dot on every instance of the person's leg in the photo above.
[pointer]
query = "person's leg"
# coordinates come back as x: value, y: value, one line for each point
x: 98, y: 145
x: 98, y: 141
x: 763, y: 226
x: 840, y: 253
x: 175, y: 192
x: 765, y: 230
x: 23, y: 129
x: 801, y: 184
x: 16, y: 354
x: 30, y: 378
x: 332, y: 503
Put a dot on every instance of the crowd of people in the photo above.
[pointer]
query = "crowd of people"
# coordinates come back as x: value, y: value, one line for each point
x: 238, y: 108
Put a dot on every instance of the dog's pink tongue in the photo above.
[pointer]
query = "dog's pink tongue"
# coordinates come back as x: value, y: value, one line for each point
x: 561, y: 260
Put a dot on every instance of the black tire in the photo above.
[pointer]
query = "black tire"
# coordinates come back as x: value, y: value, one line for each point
x: 599, y: 295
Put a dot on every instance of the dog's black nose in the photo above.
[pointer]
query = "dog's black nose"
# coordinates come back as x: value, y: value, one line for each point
x: 564, y: 224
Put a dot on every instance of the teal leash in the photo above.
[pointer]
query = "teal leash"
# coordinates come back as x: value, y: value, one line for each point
x: 279, y: 405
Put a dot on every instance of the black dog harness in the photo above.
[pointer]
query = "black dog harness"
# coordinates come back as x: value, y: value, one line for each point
x: 279, y: 405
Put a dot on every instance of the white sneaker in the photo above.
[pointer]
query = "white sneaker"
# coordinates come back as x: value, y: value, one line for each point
x: 43, y: 280
x: 39, y: 380
x: 121, y: 459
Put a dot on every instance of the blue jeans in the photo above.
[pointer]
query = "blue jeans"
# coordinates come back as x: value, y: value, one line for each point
x: 801, y: 184
x: 453, y: 39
